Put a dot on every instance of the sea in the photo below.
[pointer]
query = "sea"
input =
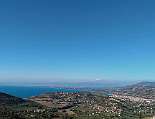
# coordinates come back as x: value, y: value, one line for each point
x: 29, y: 91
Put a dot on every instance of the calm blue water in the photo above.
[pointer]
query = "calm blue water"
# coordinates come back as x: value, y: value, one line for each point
x: 25, y: 92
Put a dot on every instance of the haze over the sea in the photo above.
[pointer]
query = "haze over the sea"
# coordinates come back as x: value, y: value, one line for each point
x: 83, y: 40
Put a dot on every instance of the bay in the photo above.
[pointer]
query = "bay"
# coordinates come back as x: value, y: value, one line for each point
x: 28, y: 91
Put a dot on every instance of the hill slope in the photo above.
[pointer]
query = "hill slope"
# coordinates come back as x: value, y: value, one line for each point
x: 6, y: 99
x: 142, y: 89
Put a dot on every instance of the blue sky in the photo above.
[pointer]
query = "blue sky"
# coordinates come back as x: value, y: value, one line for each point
x: 48, y: 40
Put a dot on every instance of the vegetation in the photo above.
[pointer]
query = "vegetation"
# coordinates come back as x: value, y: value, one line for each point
x: 78, y: 105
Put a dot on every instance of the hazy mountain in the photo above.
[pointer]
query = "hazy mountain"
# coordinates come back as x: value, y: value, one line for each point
x: 142, y: 89
x: 97, y: 83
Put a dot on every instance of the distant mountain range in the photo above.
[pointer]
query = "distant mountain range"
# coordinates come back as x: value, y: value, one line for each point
x: 142, y: 89
x: 144, y: 85
x: 88, y: 84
